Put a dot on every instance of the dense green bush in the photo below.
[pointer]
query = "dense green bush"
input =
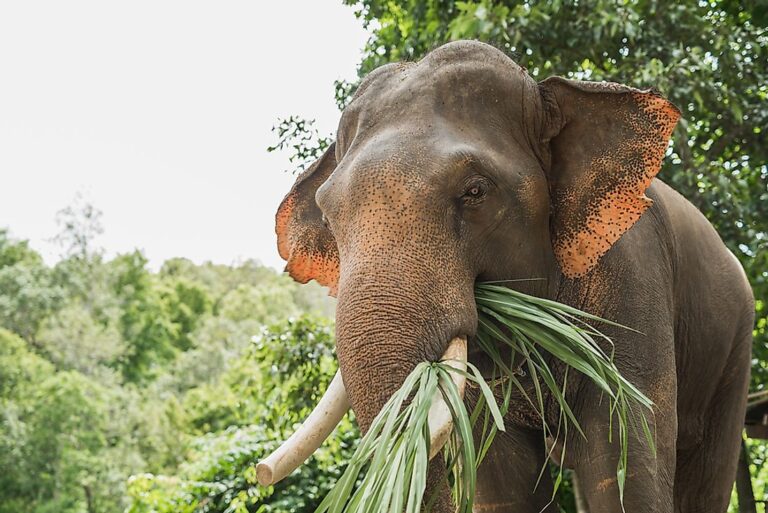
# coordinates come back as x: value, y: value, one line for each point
x: 61, y: 444
x: 265, y: 393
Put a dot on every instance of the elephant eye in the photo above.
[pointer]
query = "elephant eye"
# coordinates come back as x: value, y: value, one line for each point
x: 475, y: 190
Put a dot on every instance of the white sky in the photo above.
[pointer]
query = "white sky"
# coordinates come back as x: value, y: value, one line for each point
x: 159, y: 113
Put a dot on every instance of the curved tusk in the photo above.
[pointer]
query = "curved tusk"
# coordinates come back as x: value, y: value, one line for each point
x: 310, y: 435
x: 440, y: 420
x: 331, y: 409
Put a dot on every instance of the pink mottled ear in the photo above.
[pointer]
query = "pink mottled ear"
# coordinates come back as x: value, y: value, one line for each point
x: 607, y: 142
x: 303, y: 240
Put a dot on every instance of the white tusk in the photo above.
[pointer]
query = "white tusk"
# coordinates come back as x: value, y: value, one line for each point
x: 310, y: 435
x: 331, y: 409
x: 440, y: 420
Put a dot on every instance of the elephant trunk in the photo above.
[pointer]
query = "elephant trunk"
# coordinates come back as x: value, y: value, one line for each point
x: 384, y: 332
x: 389, y: 321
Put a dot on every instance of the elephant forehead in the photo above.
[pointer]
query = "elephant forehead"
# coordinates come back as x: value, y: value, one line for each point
x: 465, y: 86
x: 386, y: 186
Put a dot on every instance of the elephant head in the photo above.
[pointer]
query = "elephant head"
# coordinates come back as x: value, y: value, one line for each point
x: 457, y: 168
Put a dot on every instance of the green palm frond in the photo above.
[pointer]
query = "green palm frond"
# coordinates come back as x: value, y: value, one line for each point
x: 535, y: 328
x: 394, y: 452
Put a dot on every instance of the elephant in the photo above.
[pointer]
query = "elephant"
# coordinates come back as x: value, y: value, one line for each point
x: 461, y: 168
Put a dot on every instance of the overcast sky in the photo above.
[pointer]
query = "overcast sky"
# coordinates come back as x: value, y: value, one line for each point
x: 159, y: 113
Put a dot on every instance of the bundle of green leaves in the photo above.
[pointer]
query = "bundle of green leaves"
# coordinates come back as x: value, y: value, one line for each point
x: 388, y: 472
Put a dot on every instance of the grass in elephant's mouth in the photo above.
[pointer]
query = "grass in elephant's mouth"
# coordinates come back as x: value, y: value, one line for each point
x: 388, y: 471
x: 396, y: 448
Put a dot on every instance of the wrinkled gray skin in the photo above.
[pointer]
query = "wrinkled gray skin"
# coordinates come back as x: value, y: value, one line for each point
x: 444, y: 173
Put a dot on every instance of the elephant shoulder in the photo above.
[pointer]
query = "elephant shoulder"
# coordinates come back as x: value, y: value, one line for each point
x: 709, y: 281
x: 695, y: 244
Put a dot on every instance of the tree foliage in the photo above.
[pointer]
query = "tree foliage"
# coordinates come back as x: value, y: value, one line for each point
x: 302, y: 138
x: 242, y: 418
x: 28, y: 292
x: 109, y: 370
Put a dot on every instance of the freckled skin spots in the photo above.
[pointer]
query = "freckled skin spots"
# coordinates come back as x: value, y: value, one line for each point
x: 602, y: 186
x: 460, y: 167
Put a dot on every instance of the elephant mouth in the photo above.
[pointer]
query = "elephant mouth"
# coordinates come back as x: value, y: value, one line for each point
x: 334, y: 405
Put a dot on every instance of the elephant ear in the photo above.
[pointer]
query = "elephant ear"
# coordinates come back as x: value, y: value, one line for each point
x: 303, y: 240
x: 607, y: 142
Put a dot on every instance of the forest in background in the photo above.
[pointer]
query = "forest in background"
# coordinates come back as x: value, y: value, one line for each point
x: 127, y: 389
x: 124, y: 389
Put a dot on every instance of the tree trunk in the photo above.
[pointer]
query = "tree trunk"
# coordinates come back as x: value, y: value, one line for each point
x: 744, y: 483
